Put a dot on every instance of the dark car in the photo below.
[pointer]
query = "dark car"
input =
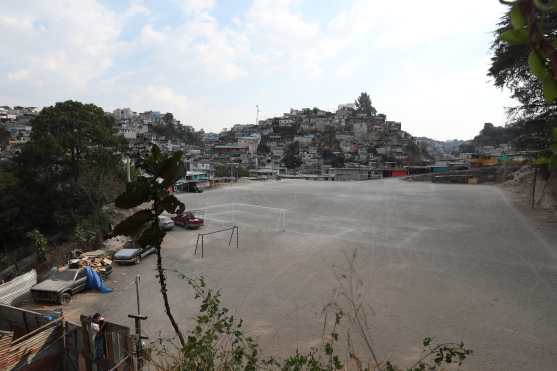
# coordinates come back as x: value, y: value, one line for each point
x: 188, y: 220
x: 61, y: 285
x: 132, y: 253
x: 192, y: 187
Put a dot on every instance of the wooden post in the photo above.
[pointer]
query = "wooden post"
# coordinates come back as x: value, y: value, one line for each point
x: 89, y: 353
x: 138, y: 318
x: 138, y: 339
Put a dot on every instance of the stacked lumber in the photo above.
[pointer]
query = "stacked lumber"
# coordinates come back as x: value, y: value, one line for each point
x: 98, y: 263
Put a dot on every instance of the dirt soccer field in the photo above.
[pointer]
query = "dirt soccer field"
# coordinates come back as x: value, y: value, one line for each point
x: 455, y: 262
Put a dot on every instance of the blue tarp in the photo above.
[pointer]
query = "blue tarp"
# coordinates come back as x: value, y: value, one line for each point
x: 94, y: 281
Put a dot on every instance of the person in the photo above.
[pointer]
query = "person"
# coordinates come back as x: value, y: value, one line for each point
x: 97, y: 328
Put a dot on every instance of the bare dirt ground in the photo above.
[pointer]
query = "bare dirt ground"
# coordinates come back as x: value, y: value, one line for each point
x: 455, y: 262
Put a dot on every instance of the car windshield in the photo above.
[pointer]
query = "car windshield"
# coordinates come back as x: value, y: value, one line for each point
x: 63, y: 276
x: 131, y: 245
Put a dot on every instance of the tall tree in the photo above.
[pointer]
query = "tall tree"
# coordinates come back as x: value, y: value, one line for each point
x: 4, y: 137
x: 328, y: 140
x: 168, y: 118
x: 63, y: 168
x: 291, y: 157
x: 512, y: 65
x: 163, y: 171
x: 363, y: 104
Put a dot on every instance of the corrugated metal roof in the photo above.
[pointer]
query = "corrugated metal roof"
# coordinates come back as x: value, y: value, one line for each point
x: 11, y: 291
x: 23, y: 350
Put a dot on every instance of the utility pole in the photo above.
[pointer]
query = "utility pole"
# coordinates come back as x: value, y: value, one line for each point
x: 138, y: 318
x: 257, y: 114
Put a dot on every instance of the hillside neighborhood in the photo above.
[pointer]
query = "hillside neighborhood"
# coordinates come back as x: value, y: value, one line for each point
x: 263, y: 185
x: 307, y: 141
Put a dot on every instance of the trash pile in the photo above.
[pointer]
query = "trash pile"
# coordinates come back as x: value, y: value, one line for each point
x: 97, y: 260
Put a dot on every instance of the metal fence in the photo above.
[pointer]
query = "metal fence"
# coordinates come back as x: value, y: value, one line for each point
x: 12, y: 291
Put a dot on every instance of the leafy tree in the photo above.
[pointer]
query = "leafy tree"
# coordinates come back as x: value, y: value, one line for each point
x: 70, y: 133
x: 291, y: 157
x: 363, y: 104
x: 61, y: 176
x: 531, y: 23
x: 168, y: 129
x: 525, y: 61
x: 416, y: 153
x: 4, y: 137
x: 338, y: 160
x: 492, y: 135
x: 335, y: 159
x: 467, y: 147
x: 168, y: 118
x: 533, y: 133
x: 328, y: 140
x: 61, y: 171
x: 161, y: 171
x: 39, y: 242
x: 13, y: 227
x: 263, y: 149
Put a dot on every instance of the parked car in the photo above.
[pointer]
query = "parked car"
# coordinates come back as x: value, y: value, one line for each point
x: 192, y: 187
x: 61, y: 285
x: 132, y: 253
x: 188, y: 220
x: 165, y: 223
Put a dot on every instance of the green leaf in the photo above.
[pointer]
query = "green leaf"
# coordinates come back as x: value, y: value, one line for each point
x: 537, y: 65
x: 172, y: 205
x: 545, y: 5
x: 155, y: 152
x: 541, y: 161
x: 172, y: 169
x: 136, y: 193
x: 549, y: 90
x: 515, y: 37
x: 152, y: 236
x: 133, y: 224
x: 517, y: 18
x: 555, y: 134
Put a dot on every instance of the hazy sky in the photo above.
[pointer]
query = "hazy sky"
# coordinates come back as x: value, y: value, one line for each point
x: 210, y: 62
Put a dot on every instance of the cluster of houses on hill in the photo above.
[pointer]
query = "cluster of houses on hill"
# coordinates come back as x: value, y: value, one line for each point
x: 359, y: 139
x: 17, y: 122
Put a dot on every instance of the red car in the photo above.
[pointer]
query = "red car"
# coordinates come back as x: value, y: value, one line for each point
x: 188, y: 220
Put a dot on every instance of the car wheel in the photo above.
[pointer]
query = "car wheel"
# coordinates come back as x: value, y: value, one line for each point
x: 137, y: 259
x: 65, y: 298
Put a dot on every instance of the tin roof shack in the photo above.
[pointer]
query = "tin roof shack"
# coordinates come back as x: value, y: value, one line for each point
x: 34, y: 341
x: 30, y: 340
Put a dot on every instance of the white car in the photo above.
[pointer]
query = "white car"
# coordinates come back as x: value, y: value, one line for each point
x: 165, y: 223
